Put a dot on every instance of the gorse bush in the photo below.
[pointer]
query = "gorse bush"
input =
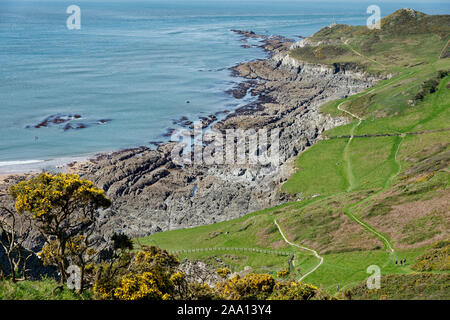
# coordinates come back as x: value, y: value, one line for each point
x: 150, y: 274
x: 154, y: 285
x: 251, y: 286
x: 223, y: 272
x: 282, y: 273
x: 63, y: 208
x: 294, y: 291
x: 264, y: 286
x: 43, y: 195
x: 437, y: 258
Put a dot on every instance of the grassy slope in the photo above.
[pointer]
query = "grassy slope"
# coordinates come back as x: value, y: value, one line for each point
x: 37, y: 290
x: 320, y: 169
x: 418, y: 286
x: 369, y: 179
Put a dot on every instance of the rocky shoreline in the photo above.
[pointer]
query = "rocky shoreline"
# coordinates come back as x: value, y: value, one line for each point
x: 151, y: 193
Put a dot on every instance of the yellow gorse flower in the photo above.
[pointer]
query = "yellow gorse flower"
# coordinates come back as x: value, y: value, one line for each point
x: 42, y: 194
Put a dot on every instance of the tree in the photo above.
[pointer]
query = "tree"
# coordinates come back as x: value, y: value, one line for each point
x: 120, y: 258
x: 121, y: 242
x: 63, y: 207
x: 79, y: 250
x: 14, y: 230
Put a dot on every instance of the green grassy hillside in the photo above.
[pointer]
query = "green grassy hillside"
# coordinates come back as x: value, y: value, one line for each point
x: 417, y: 286
x: 406, y: 38
x: 38, y: 290
x: 372, y: 192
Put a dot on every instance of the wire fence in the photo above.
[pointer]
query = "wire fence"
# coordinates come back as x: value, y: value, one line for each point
x: 256, y: 250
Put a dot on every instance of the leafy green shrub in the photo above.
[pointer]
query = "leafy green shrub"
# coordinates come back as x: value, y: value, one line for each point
x: 430, y: 86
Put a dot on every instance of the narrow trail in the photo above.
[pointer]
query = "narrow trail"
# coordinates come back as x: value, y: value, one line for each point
x: 371, y: 229
x: 350, y: 176
x: 362, y: 55
x: 349, y: 213
x: 352, y: 180
x: 387, y: 184
x: 416, y: 133
x: 303, y: 248
x: 397, y: 162
x: 443, y: 49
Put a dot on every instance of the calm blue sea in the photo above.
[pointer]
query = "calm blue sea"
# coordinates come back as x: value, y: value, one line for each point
x: 135, y: 63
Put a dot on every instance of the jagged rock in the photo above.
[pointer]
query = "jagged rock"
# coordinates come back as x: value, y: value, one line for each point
x: 199, y: 271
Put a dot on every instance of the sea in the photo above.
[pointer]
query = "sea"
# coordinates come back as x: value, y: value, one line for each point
x: 134, y: 67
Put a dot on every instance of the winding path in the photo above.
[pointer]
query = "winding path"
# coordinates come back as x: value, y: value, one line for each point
x: 361, y: 55
x: 371, y: 229
x: 303, y: 248
x: 443, y: 49
x: 351, y: 177
x: 351, y: 180
x: 352, y: 114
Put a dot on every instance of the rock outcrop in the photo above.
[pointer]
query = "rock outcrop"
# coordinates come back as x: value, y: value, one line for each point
x: 200, y: 272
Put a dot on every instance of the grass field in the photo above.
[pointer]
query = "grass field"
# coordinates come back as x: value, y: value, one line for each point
x: 350, y: 268
x: 345, y: 269
x: 403, y: 41
x: 320, y: 170
x: 38, y: 290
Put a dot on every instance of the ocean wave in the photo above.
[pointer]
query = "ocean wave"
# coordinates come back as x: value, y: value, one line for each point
x: 18, y: 163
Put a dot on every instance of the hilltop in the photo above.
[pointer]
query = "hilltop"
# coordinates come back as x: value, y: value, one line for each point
x: 406, y: 38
